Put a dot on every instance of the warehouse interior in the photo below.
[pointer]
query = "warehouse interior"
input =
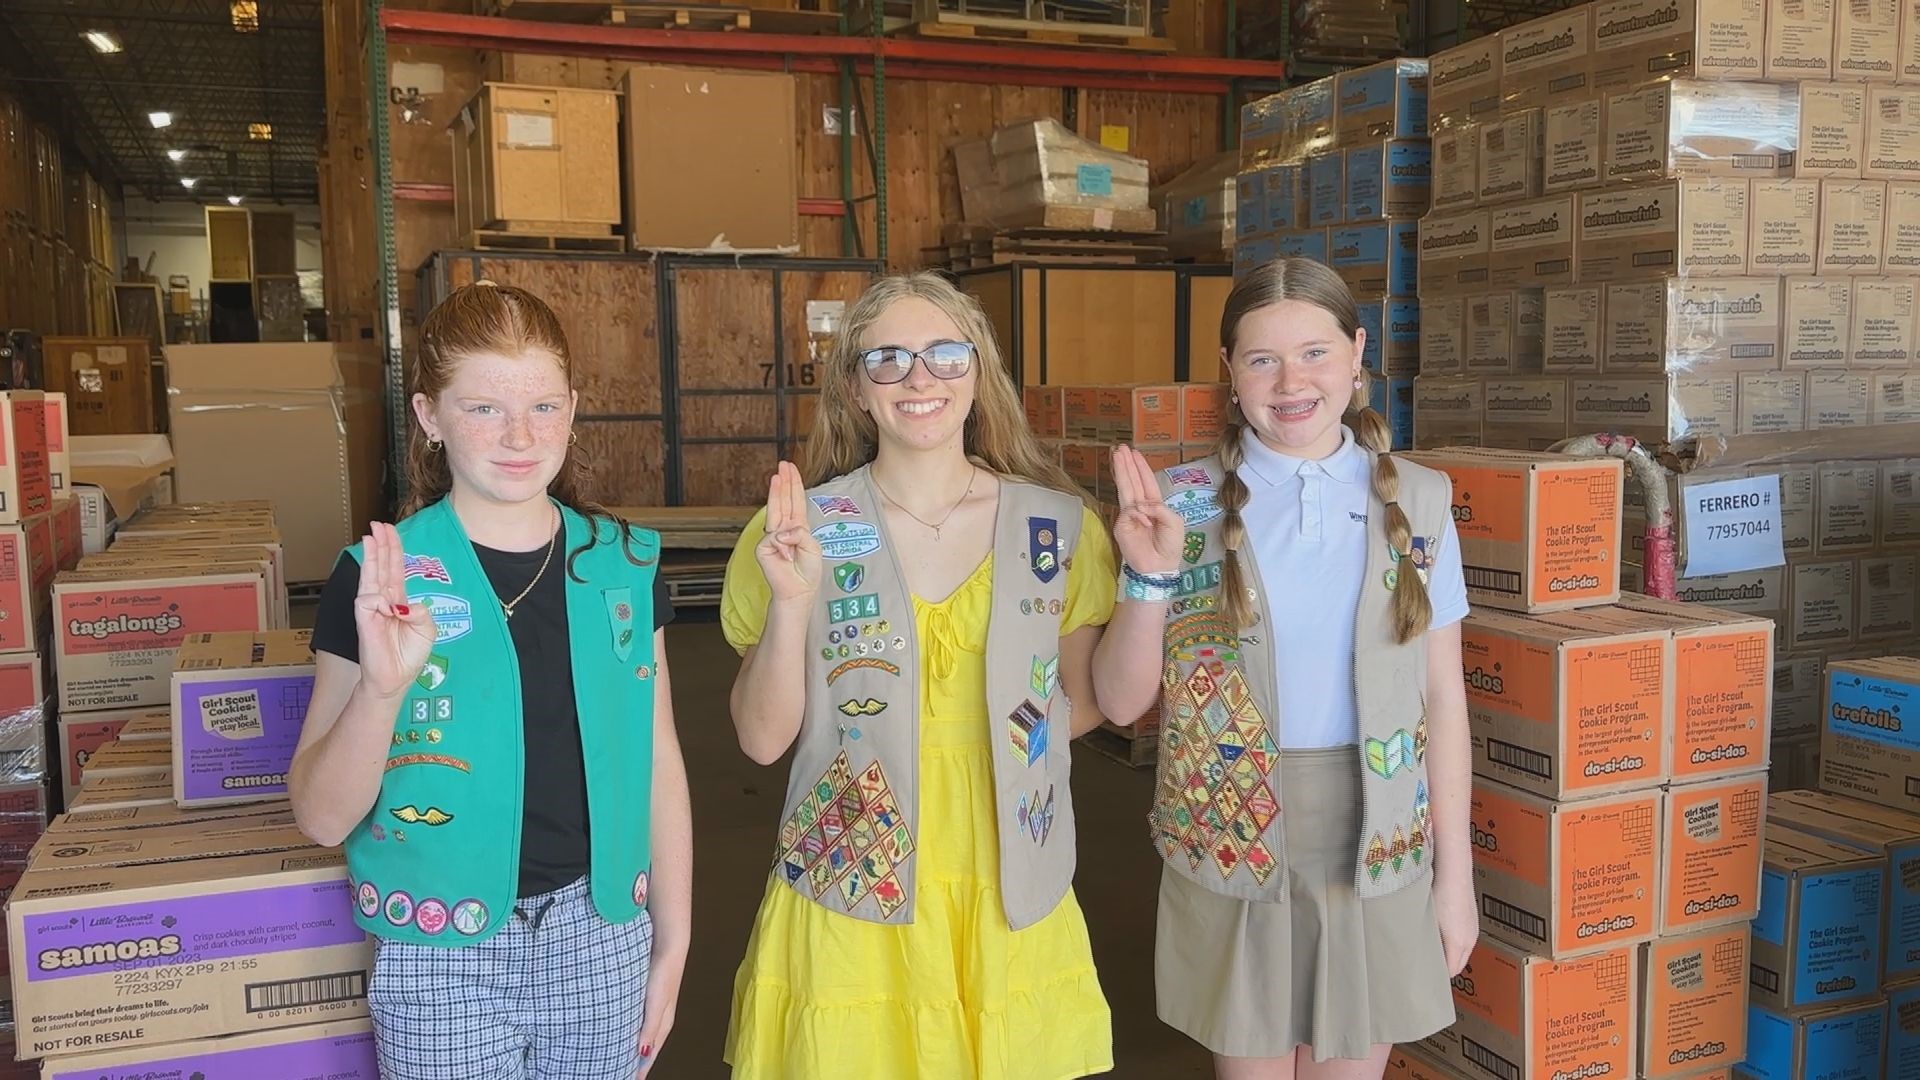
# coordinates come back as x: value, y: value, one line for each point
x: 1640, y: 277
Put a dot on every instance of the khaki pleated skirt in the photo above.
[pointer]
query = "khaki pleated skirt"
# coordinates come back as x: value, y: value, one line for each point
x: 1325, y: 969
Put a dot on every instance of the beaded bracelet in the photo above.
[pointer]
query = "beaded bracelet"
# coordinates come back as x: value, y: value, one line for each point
x: 1148, y: 588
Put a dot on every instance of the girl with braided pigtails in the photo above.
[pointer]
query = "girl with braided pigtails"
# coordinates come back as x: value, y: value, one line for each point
x: 1299, y: 594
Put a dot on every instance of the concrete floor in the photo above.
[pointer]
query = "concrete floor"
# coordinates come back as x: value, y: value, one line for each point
x: 736, y: 810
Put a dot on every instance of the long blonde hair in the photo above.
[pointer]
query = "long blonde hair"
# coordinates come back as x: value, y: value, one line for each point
x: 1310, y: 282
x: 845, y: 437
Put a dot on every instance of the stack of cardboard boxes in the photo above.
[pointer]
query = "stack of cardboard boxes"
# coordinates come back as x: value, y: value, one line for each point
x: 1619, y: 758
x: 1664, y: 221
x: 1340, y: 170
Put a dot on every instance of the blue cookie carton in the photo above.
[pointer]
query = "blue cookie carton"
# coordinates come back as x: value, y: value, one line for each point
x: 1870, y: 731
x: 1848, y: 1043
x: 1303, y: 244
x: 1327, y: 188
x: 1381, y: 101
x: 1817, y: 940
x: 1864, y: 826
x: 1393, y: 399
x: 1393, y: 335
x: 1389, y: 179
x: 1381, y: 257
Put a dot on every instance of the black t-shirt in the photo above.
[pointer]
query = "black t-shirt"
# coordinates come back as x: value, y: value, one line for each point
x: 554, y: 850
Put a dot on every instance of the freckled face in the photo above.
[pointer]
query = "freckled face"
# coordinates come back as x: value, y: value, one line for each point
x: 505, y: 421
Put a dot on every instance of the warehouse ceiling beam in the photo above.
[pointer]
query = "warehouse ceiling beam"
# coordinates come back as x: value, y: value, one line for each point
x: 902, y: 57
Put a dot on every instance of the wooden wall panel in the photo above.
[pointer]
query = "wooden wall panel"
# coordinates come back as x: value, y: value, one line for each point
x: 607, y: 308
x: 728, y: 416
x: 727, y: 474
x: 724, y: 328
x: 628, y: 460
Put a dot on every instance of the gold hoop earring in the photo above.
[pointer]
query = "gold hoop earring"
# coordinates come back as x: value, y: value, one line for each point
x: 573, y: 437
x: 434, y: 445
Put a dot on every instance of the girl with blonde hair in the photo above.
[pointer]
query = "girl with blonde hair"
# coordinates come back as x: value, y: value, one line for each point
x: 1295, y: 600
x: 918, y: 610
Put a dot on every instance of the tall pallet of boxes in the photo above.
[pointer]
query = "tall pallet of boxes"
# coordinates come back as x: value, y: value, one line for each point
x: 1341, y: 170
x: 177, y: 885
x: 1619, y: 793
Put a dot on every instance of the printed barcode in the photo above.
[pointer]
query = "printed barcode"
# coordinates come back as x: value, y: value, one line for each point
x: 1902, y: 485
x: 1913, y: 787
x: 1890, y: 109
x: 1862, y: 9
x: 1880, y: 576
x: 1795, y: 9
x: 1895, y: 393
x: 1760, y: 351
x: 1520, y: 919
x: 1764, y: 979
x: 1754, y: 161
x: 1488, y: 1060
x: 301, y: 993
x: 1492, y: 580
x: 1519, y: 757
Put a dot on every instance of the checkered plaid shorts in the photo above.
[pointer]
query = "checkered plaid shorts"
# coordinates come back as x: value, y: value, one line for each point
x: 557, y: 994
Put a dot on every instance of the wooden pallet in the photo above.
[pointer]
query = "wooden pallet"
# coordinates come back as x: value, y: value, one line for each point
x: 1126, y: 747
x: 1080, y: 35
x: 680, y: 16
x: 770, y: 20
x: 966, y: 247
x: 502, y: 240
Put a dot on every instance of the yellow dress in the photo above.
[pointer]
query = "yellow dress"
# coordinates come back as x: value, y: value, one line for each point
x: 956, y: 994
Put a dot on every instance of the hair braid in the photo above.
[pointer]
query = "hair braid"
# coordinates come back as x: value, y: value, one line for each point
x: 1233, y: 530
x: 1412, y: 609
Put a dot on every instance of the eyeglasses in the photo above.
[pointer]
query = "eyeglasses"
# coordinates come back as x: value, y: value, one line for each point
x: 945, y: 359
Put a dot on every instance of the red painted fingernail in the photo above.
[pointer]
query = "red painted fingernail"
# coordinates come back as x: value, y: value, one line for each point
x: 403, y: 609
x: 646, y: 1051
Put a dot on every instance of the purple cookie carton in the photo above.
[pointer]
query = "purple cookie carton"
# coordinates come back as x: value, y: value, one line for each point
x: 340, y: 1051
x: 239, y: 699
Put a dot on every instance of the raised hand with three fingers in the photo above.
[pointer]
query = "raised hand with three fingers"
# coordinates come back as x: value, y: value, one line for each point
x: 396, y: 637
x: 1148, y: 534
x: 789, y: 555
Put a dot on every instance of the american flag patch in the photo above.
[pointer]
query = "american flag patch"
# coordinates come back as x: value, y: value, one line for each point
x: 836, y: 504
x: 428, y: 567
x: 1189, y: 476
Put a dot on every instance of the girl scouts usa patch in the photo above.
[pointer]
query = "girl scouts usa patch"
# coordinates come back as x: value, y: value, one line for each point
x: 1194, y: 507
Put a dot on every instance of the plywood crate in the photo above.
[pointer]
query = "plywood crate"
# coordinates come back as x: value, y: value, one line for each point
x: 230, y: 244
x: 274, y: 249
x: 108, y: 382
x: 1055, y: 324
x: 537, y: 160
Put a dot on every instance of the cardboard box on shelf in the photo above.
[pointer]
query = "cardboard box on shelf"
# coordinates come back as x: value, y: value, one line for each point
x: 1772, y: 402
x: 1784, y: 227
x: 1537, y: 531
x: 1570, y: 331
x: 1381, y: 101
x: 1454, y: 249
x: 1722, y: 685
x: 1443, y: 335
x: 1719, y: 325
x: 1454, y: 162
x: 1909, y: 71
x: 23, y: 682
x: 1689, y: 226
x: 1546, y: 60
x: 1877, y: 830
x: 1563, y: 879
x: 1893, y: 133
x: 120, y: 792
x: 1531, y: 243
x: 116, y: 760
x: 1327, y: 188
x: 1573, y: 146
x: 1038, y: 173
x: 1626, y: 405
x: 1046, y: 410
x: 1510, y: 156
x: 1689, y: 127
x: 343, y: 1050
x: 26, y: 488
x: 1303, y: 244
x: 1203, y: 411
x: 1866, y: 40
x: 1848, y: 501
x: 1463, y: 83
x: 108, y: 382
x: 1817, y: 940
x: 167, y: 820
x: 1693, y: 1000
x: 1448, y: 410
x: 1393, y: 330
x: 1899, y: 513
x: 1800, y: 40
x: 1199, y: 208
x: 1799, y: 684
x: 1823, y: 609
x: 1081, y: 405
x: 229, y: 911
x: 1526, y: 411
x: 1711, y: 853
x: 1902, y: 245
x: 1853, y: 226
x: 1833, y: 130
x: 118, y: 633
x: 239, y: 701
x: 59, y: 429
x: 1502, y: 339
x: 1415, y: 1063
x: 1562, y: 712
x: 1523, y: 1015
x: 1889, y: 598
x: 301, y: 421
x: 1837, y: 399
x: 1799, y: 502
x: 1393, y: 399
x: 1846, y: 1043
x: 27, y: 567
x: 537, y: 154
x: 710, y: 162
x: 1819, y: 321
x: 1377, y: 257
x: 1704, y: 404
x: 1250, y: 205
x: 1287, y: 197
x: 1883, y: 332
x: 1138, y: 414
x: 1637, y: 41
x: 68, y: 542
x: 1903, y: 1030
x: 1389, y: 180
x: 1866, y: 750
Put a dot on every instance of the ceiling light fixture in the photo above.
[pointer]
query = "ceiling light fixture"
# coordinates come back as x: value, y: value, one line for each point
x: 176, y: 156
x: 233, y: 200
x: 102, y: 42
x: 189, y: 182
x: 160, y: 119
x: 246, y: 15
x: 260, y: 132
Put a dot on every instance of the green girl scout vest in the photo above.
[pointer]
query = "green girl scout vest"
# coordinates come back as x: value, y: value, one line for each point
x: 850, y: 827
x: 1217, y: 812
x: 437, y: 860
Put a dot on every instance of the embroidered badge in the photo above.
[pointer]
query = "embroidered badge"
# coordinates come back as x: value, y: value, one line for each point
x: 369, y: 899
x: 1027, y: 731
x: 640, y: 889
x: 847, y: 834
x: 1035, y: 814
x: 1196, y: 546
x: 427, y: 568
x: 452, y: 616
x: 856, y: 665
x: 849, y: 577
x: 442, y: 760
x: 1215, y: 801
x: 432, y: 815
x: 1194, y: 507
x: 1188, y: 476
x: 836, y: 505
x: 1387, y: 757
x: 869, y: 707
x: 620, y: 620
x: 1043, y: 547
x: 842, y: 540
x: 850, y: 608
x: 399, y: 908
x: 1045, y: 677
x: 469, y: 917
x: 433, y: 673
x: 431, y: 917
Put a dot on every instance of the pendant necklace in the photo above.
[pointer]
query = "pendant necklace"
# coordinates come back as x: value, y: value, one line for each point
x: 508, y: 605
x: 934, y: 525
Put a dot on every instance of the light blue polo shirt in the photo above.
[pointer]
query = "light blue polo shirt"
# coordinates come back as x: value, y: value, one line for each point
x: 1307, y: 522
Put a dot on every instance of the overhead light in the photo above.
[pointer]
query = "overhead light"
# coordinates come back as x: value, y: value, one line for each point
x: 160, y: 119
x: 189, y: 182
x: 246, y: 15
x: 233, y: 200
x: 176, y: 156
x: 102, y: 41
x: 260, y: 132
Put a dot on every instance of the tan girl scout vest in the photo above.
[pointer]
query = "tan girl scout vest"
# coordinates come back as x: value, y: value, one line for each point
x: 1217, y: 808
x: 851, y: 823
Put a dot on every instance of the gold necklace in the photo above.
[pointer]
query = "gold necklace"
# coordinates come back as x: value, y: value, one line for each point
x: 508, y: 605
x: 934, y: 525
